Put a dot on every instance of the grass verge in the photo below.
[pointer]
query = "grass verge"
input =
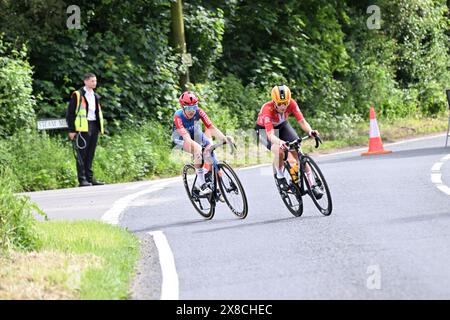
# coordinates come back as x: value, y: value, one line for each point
x: 77, y: 260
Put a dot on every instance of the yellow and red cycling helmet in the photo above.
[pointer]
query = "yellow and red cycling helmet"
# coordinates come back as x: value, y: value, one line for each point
x: 281, y: 95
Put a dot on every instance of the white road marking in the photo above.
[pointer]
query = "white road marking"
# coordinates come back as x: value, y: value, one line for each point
x: 170, y: 284
x: 112, y: 216
x: 387, y: 145
x: 436, y: 175
x: 437, y: 167
x: 436, y: 178
x: 139, y: 185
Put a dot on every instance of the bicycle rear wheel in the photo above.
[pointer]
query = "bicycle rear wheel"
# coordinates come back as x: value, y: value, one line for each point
x: 291, y: 197
x: 205, y: 205
x: 232, y: 190
x: 324, y: 204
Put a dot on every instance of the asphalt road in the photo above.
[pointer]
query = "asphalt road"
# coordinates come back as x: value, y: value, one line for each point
x: 387, y: 238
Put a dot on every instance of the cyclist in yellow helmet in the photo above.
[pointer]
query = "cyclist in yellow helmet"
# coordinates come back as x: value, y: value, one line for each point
x: 272, y: 118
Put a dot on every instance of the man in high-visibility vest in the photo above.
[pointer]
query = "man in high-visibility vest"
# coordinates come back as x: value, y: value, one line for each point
x: 85, y: 122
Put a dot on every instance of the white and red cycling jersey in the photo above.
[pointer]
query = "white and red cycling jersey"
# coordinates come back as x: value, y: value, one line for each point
x: 269, y: 118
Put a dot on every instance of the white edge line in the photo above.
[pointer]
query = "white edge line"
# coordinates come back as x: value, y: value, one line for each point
x: 386, y: 145
x: 170, y: 284
x: 416, y: 139
x: 112, y: 216
x: 354, y: 151
x: 444, y: 189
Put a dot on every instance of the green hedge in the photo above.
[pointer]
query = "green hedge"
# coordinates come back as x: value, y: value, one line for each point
x: 41, y: 162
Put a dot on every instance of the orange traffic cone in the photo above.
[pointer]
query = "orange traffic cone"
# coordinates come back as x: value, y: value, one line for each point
x: 375, y: 144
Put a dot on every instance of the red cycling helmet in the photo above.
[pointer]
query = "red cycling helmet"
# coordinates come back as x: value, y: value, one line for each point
x: 188, y: 98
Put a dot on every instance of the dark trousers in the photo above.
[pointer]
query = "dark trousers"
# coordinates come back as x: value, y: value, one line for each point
x: 86, y: 151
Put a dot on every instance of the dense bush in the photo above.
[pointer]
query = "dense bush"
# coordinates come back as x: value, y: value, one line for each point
x: 16, y: 100
x: 138, y: 153
x: 41, y: 162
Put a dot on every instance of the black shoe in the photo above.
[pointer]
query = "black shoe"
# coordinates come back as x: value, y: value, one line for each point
x: 318, y: 194
x: 282, y: 183
x: 85, y: 183
x: 96, y: 182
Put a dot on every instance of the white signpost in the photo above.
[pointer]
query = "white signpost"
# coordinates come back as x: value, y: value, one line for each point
x: 186, y: 59
x: 47, y: 124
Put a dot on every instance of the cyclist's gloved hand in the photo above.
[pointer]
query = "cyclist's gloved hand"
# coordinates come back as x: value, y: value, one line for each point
x: 230, y: 140
x: 313, y: 133
x: 283, y: 145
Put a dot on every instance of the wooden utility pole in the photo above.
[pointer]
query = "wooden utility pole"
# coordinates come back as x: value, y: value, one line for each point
x: 178, y: 38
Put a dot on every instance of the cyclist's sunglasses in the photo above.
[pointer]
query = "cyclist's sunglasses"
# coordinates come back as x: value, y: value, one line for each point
x: 191, y: 108
x: 281, y: 105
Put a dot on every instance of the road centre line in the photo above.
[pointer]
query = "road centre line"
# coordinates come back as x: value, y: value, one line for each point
x: 436, y: 175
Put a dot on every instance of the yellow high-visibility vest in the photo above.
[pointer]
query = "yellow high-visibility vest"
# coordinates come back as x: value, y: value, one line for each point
x: 81, y: 122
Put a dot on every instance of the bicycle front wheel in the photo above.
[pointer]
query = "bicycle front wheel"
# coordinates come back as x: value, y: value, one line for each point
x: 205, y: 205
x: 232, y: 190
x: 324, y: 203
x: 292, y: 198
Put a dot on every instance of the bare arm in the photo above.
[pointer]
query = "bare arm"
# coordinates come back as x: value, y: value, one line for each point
x: 217, y: 133
x: 273, y: 138
x: 307, y: 127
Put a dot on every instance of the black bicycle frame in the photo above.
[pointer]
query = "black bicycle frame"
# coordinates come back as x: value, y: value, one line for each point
x: 295, y: 146
x: 214, y: 174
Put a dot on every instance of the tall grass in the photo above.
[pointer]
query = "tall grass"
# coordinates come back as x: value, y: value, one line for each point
x: 17, y: 223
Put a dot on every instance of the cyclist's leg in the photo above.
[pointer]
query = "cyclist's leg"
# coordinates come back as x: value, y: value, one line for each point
x: 190, y: 146
x: 287, y: 133
x: 205, y: 141
x: 195, y: 149
x: 274, y: 148
x: 204, y: 167
x: 278, y: 161
x: 278, y: 156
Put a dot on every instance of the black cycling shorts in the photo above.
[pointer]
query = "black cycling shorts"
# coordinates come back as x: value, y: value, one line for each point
x: 283, y: 131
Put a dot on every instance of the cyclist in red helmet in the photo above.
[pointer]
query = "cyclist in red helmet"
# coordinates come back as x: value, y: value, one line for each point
x: 274, y: 131
x: 187, y: 134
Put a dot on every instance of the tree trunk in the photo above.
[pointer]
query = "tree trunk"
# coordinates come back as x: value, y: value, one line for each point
x: 178, y: 41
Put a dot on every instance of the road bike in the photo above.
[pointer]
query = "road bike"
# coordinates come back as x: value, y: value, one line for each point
x: 298, y: 184
x: 223, y: 182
